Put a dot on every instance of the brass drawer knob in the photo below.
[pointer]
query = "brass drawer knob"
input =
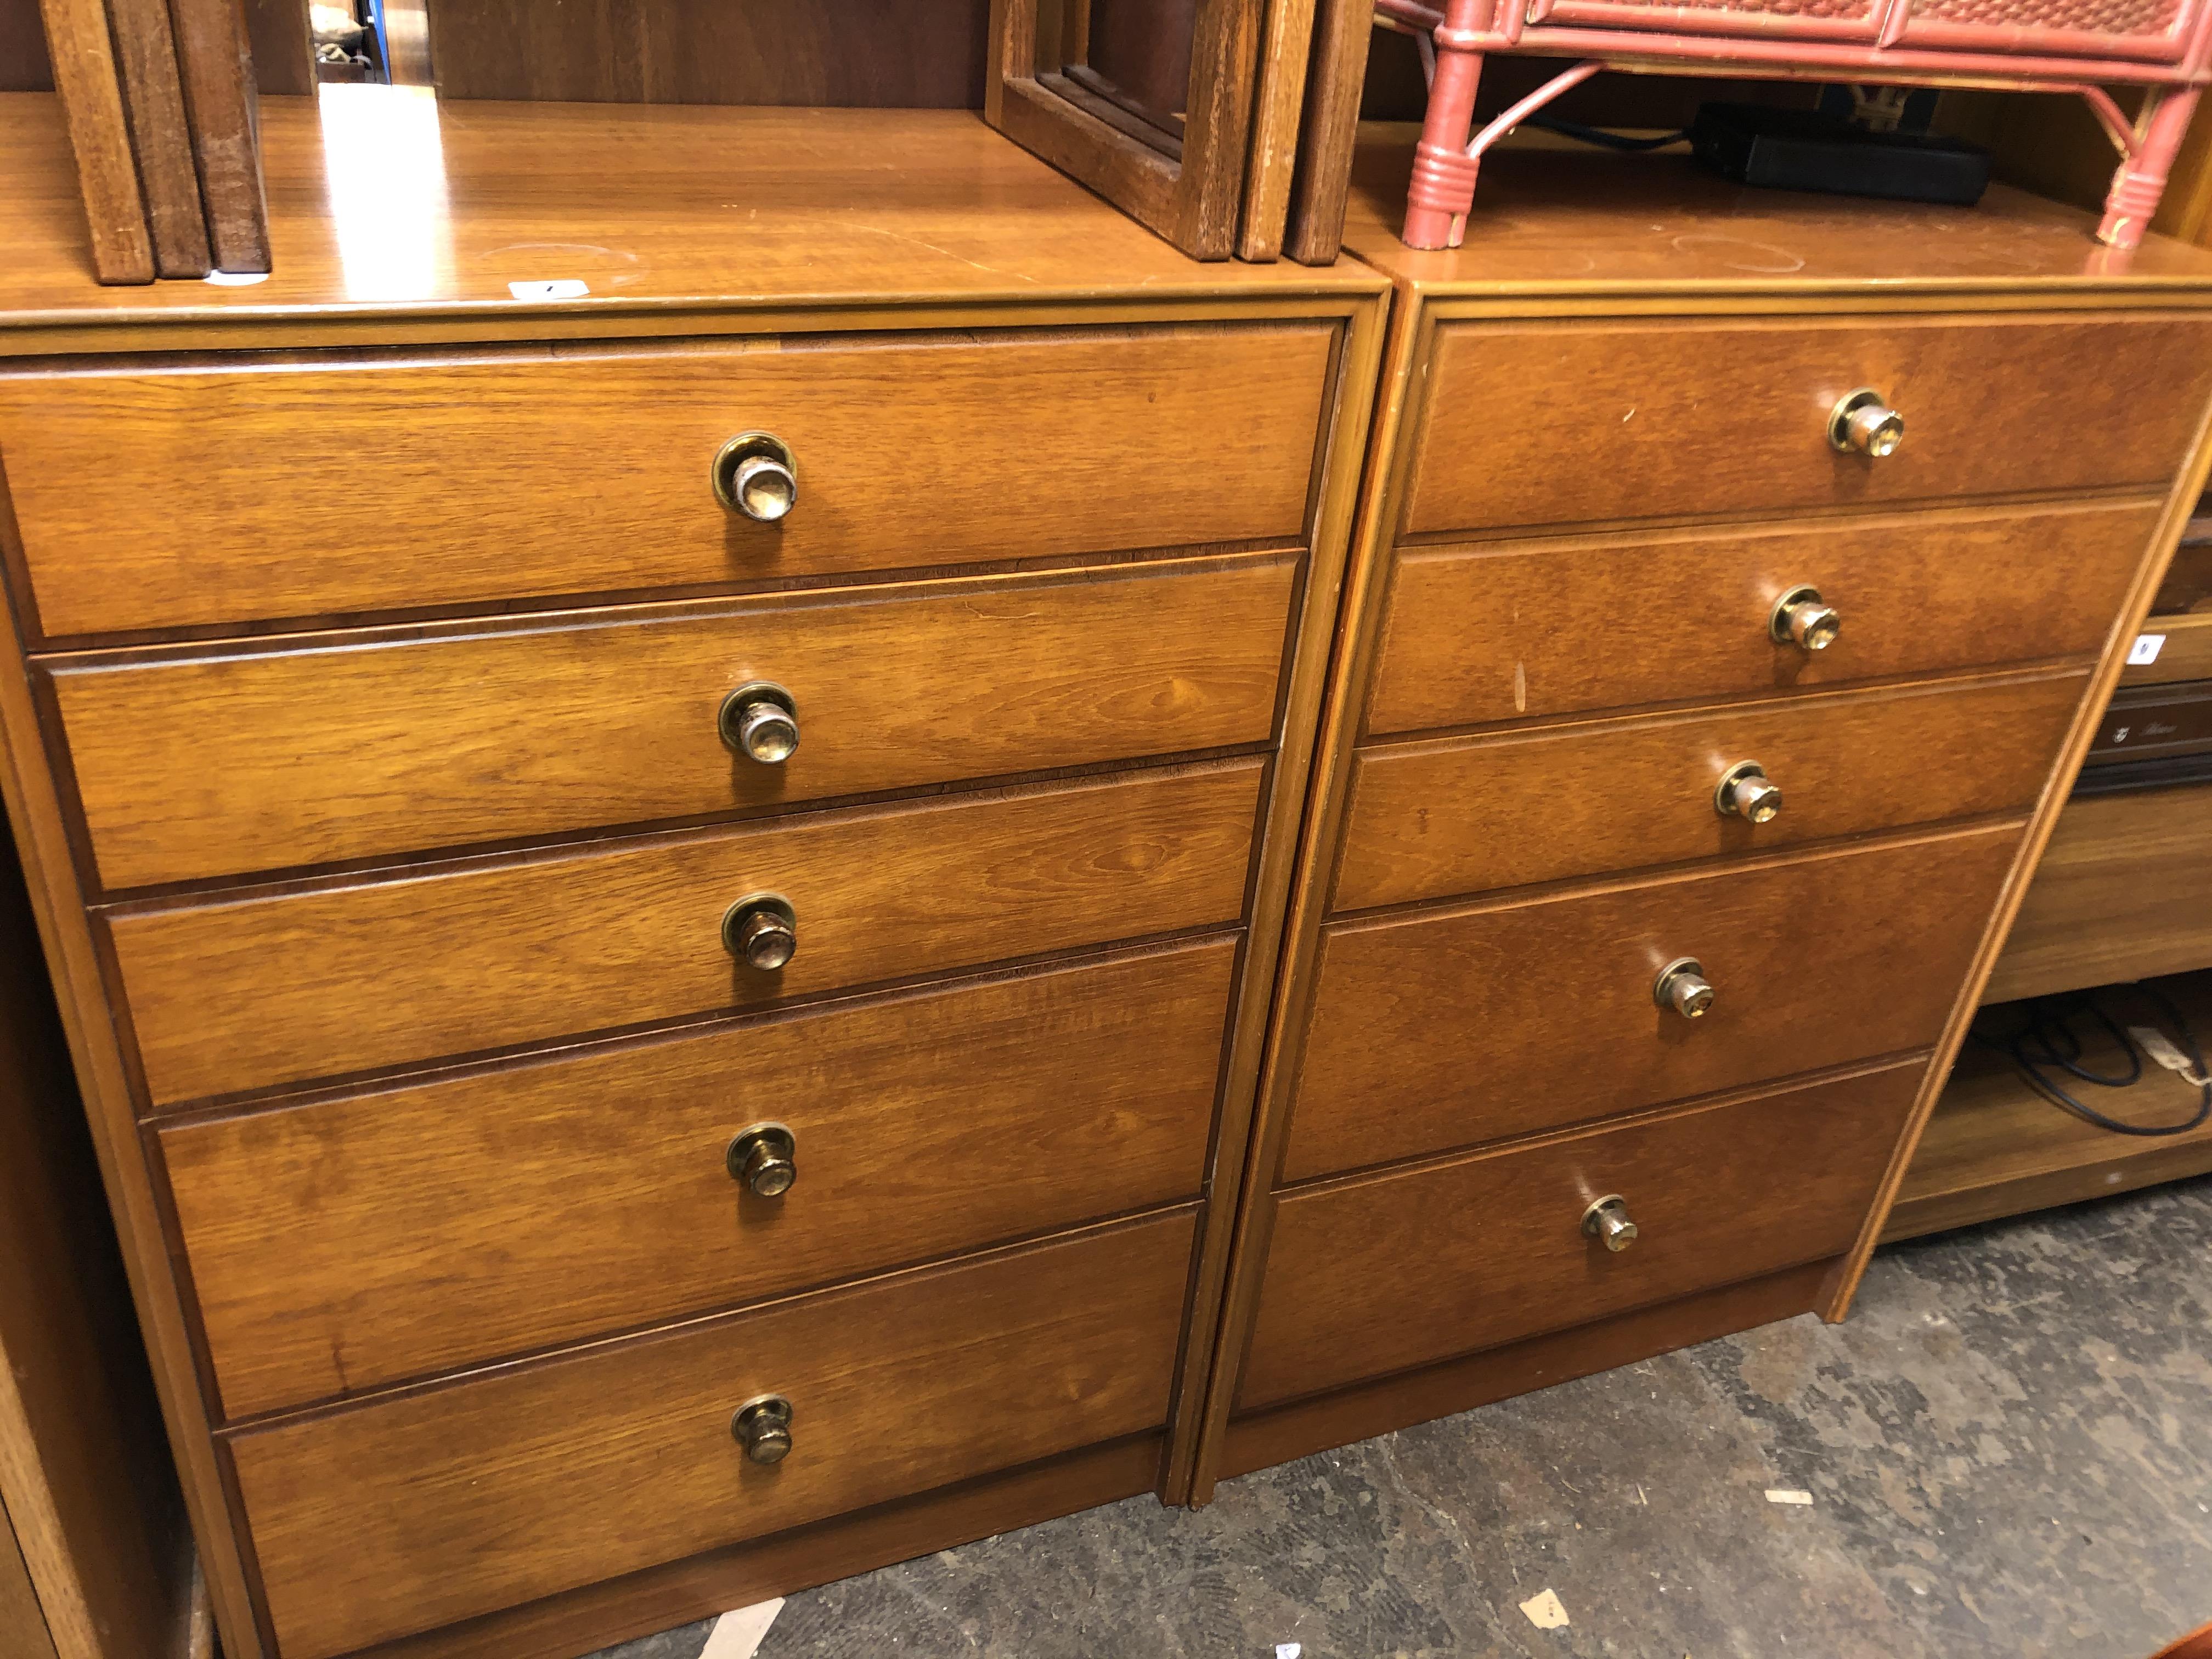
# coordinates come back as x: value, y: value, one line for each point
x: 754, y: 474
x: 1746, y: 793
x: 762, y: 1427
x: 1607, y: 1222
x: 1801, y: 619
x: 762, y: 930
x: 1682, y: 985
x: 1862, y: 424
x: 761, y: 722
x: 765, y: 1159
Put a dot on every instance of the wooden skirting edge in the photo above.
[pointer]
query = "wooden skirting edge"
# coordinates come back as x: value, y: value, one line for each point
x: 1456, y: 1385
x: 739, y: 1575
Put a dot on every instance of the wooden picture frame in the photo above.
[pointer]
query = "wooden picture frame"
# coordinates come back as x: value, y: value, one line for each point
x: 1189, y: 186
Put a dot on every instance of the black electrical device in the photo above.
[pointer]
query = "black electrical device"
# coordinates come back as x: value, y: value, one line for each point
x: 1801, y: 149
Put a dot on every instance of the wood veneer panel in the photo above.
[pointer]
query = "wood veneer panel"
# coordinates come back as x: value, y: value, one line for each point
x: 260, y: 989
x: 1498, y: 632
x: 1459, y: 815
x: 871, y: 52
x: 1992, y: 405
x: 318, y: 1235
x: 2123, y: 890
x: 20, y: 1614
x: 356, y: 751
x: 1995, y: 1147
x: 377, y: 1520
x: 217, y: 66
x: 1342, y: 31
x: 513, y: 475
x: 86, y: 1485
x: 146, y: 54
x: 740, y: 1575
x: 1436, y: 1028
x: 90, y: 84
x: 1360, y: 1411
x: 1373, y: 1276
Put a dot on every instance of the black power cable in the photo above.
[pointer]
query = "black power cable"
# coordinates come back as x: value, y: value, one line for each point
x: 2047, y: 1042
x: 1590, y: 135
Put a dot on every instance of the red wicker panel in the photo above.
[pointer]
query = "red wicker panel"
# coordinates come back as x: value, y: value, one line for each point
x: 2111, y: 17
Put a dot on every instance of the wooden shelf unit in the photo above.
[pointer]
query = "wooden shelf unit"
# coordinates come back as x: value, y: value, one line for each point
x: 1996, y: 1148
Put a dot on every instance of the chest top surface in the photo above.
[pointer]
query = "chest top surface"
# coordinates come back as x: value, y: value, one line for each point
x: 1571, y: 221
x: 386, y: 202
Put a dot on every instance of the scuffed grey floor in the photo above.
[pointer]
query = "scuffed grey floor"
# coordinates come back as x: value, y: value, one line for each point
x: 2008, y: 1447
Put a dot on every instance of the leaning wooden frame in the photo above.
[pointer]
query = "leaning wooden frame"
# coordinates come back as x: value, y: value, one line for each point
x: 1214, y: 176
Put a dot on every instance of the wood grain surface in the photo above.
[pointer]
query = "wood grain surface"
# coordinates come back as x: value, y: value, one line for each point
x: 708, y: 1585
x: 20, y: 1614
x: 1279, y: 107
x: 374, y: 1521
x: 1458, y: 815
x: 1373, y: 1276
x: 1570, y: 219
x: 1433, y: 1030
x: 361, y: 750
x: 1342, y: 31
x: 841, y: 208
x: 319, y: 1236
x: 1498, y: 632
x: 2124, y: 891
x: 710, y: 51
x: 249, y: 992
x: 1710, y: 417
x: 216, y: 61
x: 146, y: 55
x: 92, y: 186
x: 88, y: 1490
x: 514, y: 476
x: 1995, y: 1147
x: 1362, y: 1411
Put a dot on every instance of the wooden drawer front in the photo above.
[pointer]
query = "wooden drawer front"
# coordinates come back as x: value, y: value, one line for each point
x: 1499, y: 634
x: 1375, y: 1275
x: 328, y: 982
x: 2123, y: 890
x: 307, y: 758
x: 171, y: 497
x: 1545, y: 423
x: 924, y: 1126
x: 1435, y: 1030
x: 398, y: 1515
x: 1459, y: 815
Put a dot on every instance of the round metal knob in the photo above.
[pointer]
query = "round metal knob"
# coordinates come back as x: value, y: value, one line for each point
x: 1746, y: 792
x: 762, y: 930
x: 1860, y: 423
x: 754, y: 474
x: 765, y: 1159
x: 1682, y: 985
x: 761, y: 722
x: 762, y: 1427
x: 1801, y: 619
x: 1607, y: 1222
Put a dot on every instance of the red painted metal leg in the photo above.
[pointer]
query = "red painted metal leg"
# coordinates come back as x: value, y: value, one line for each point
x: 2141, y: 179
x: 1443, y: 174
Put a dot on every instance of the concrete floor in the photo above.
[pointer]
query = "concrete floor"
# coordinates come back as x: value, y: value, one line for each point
x: 2009, y: 1448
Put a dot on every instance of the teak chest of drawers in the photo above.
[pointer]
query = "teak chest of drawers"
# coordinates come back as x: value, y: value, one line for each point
x: 1688, y: 742
x: 669, y: 903
x: 692, y: 918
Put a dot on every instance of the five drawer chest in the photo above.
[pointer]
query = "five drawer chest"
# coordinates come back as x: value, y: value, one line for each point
x: 668, y: 898
x: 766, y: 846
x: 1738, y: 578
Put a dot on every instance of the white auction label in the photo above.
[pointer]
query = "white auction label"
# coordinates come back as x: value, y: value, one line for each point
x: 565, y: 287
x: 2145, y: 649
